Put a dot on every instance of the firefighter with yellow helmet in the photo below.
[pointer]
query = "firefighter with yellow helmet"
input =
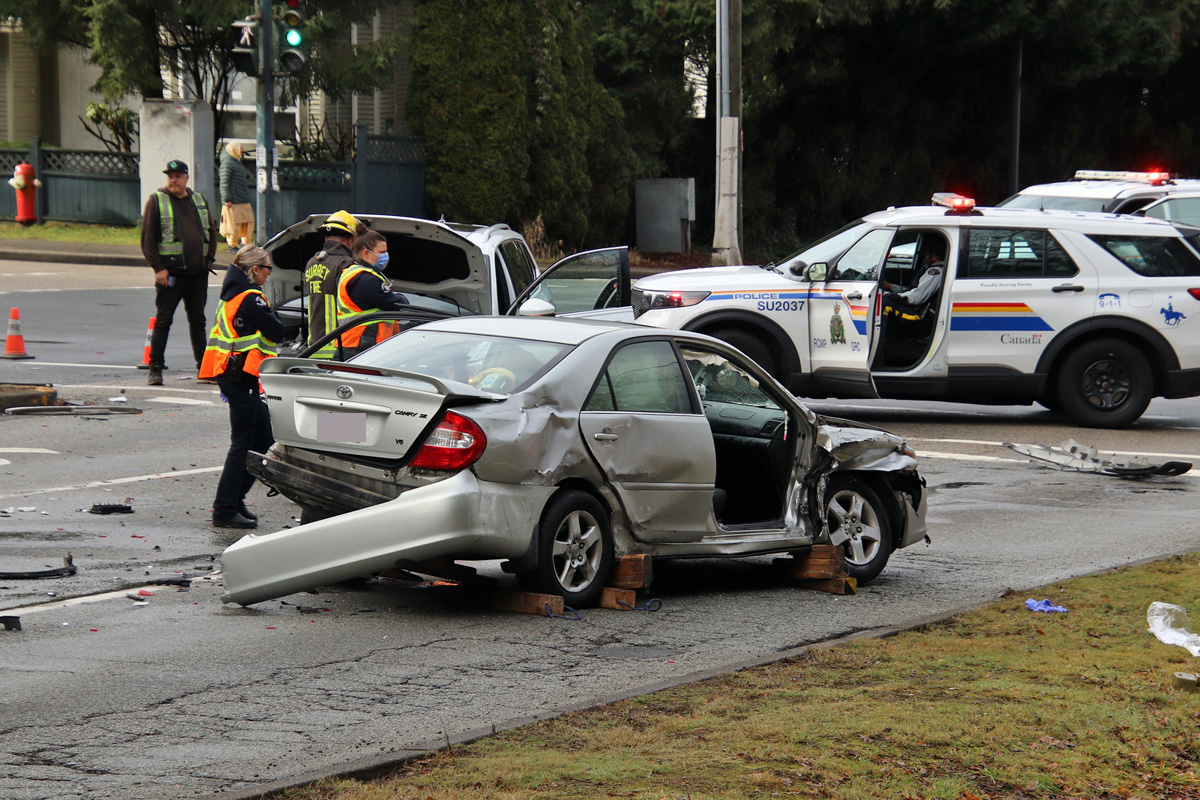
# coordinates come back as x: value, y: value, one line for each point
x: 323, y: 270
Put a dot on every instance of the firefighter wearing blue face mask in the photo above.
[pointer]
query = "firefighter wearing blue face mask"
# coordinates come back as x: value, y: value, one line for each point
x: 363, y: 289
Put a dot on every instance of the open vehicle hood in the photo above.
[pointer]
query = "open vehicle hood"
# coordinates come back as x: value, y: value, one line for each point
x: 362, y: 411
x: 433, y: 259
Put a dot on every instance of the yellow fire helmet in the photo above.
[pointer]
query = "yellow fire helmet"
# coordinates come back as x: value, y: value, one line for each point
x: 340, y: 222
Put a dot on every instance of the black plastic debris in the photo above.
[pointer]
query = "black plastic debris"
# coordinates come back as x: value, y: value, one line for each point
x: 11, y: 623
x: 110, y: 508
x: 184, y: 582
x: 67, y: 569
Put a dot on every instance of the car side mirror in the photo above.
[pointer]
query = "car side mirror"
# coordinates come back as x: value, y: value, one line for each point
x: 533, y: 307
x: 817, y: 271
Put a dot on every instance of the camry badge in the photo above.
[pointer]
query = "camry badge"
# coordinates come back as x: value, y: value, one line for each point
x: 345, y: 392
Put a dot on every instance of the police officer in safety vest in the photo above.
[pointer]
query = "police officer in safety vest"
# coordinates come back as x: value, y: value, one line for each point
x: 363, y: 289
x: 179, y: 241
x: 322, y: 271
x: 246, y: 333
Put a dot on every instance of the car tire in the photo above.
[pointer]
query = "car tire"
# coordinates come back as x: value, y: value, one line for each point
x: 854, y: 510
x: 752, y: 346
x: 1106, y: 383
x: 575, y: 549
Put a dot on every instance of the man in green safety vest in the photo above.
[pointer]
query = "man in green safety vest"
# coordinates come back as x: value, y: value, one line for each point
x: 179, y: 241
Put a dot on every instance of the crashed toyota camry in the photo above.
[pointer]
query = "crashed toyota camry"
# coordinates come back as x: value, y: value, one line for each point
x: 559, y: 445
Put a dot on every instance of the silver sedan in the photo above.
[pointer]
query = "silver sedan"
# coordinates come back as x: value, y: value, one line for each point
x: 559, y: 445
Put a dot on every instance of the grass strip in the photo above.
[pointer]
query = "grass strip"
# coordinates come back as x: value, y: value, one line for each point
x: 996, y: 703
x: 72, y: 232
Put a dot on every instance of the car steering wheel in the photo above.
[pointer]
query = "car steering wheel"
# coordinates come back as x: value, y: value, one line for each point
x: 494, y: 379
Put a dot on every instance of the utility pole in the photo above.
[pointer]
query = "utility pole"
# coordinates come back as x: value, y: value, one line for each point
x: 726, y: 234
x: 266, y: 159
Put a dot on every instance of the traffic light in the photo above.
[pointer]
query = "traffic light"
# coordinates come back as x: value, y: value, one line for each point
x: 245, y: 47
x: 292, y: 44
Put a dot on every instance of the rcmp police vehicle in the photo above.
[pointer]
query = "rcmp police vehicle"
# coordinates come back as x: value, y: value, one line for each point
x: 1101, y: 190
x: 1092, y: 314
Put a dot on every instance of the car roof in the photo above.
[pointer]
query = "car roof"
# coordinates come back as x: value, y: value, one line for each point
x: 937, y: 216
x: 557, y: 330
x: 1104, y: 190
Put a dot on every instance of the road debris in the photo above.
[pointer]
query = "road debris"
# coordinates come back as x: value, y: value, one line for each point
x: 110, y: 508
x: 1169, y: 624
x: 11, y: 623
x: 68, y: 568
x: 72, y: 410
x: 1044, y: 605
x: 1072, y: 456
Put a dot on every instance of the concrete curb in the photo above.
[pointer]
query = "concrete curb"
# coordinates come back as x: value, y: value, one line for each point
x: 15, y: 395
x: 63, y: 257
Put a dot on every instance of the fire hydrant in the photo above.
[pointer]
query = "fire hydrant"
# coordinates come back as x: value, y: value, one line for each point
x: 26, y: 186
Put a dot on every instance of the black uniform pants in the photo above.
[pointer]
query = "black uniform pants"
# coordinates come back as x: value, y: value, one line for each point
x: 249, y: 429
x: 192, y: 289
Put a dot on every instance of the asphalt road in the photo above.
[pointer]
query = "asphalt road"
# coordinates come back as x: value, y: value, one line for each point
x: 177, y: 695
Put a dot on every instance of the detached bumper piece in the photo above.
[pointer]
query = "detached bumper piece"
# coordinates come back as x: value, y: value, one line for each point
x: 67, y: 569
x: 309, y: 488
x: 1071, y: 456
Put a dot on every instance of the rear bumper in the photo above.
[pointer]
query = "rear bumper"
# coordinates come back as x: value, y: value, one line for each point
x: 309, y: 488
x: 460, y: 517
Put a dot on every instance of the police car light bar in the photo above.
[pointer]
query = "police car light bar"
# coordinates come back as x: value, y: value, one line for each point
x: 1154, y: 178
x: 956, y: 203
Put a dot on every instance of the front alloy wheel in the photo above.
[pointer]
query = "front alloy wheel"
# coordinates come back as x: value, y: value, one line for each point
x: 575, y: 549
x: 858, y: 522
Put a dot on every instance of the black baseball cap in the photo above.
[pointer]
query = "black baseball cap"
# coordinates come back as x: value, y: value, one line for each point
x: 175, y: 165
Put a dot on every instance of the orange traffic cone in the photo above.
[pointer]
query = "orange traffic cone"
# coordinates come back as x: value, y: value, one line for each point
x: 146, y: 352
x: 14, y: 344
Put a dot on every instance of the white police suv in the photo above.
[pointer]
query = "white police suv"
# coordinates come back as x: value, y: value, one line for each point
x: 1101, y: 190
x: 1090, y: 313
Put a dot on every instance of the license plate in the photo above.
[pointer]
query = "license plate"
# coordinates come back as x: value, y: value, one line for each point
x: 346, y: 427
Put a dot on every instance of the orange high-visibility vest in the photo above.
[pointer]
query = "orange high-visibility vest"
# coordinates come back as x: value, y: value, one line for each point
x: 223, y: 342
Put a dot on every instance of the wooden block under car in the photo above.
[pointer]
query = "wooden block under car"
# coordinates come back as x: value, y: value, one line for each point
x: 632, y: 572
x: 823, y: 562
x: 527, y: 602
x: 846, y: 585
x: 620, y: 599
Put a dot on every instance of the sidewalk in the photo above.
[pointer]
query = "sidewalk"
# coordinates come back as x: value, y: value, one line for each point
x: 37, y: 250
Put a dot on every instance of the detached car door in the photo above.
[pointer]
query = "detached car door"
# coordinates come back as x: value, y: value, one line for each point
x: 646, y: 430
x: 594, y: 284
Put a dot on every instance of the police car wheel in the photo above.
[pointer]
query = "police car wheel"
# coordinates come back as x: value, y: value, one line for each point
x: 858, y: 520
x: 1104, y: 384
x: 752, y: 346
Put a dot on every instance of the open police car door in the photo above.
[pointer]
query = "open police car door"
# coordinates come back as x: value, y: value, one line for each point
x: 593, y: 284
x: 839, y: 318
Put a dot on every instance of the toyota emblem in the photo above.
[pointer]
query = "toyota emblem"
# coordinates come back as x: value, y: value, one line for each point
x: 345, y: 392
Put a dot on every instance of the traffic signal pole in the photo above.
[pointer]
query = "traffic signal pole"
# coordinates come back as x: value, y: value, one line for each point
x: 266, y: 158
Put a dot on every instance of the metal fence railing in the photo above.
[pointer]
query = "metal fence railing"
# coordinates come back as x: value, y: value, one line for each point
x: 95, y: 186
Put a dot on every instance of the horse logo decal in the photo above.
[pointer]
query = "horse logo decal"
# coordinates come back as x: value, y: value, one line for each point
x: 1172, y: 316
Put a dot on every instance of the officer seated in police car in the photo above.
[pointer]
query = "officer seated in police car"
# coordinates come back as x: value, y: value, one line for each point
x: 908, y: 306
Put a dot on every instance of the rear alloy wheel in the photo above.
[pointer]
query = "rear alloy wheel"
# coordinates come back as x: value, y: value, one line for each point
x: 752, y: 346
x: 575, y: 549
x: 858, y: 522
x: 1104, y: 384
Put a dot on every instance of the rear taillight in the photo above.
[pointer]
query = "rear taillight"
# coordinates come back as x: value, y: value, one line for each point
x: 456, y: 443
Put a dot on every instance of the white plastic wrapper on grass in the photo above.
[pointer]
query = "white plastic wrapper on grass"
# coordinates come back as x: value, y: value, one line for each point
x: 1170, y: 624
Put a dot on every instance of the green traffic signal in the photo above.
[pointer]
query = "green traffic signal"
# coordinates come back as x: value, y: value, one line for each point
x: 294, y: 38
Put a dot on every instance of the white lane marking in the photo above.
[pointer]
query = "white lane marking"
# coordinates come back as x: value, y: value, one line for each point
x: 115, y: 481
x: 1146, y: 453
x: 187, y: 401
x: 96, y: 598
x: 86, y: 366
x: 27, y: 450
x: 4, y: 462
x: 110, y: 387
x: 967, y: 457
